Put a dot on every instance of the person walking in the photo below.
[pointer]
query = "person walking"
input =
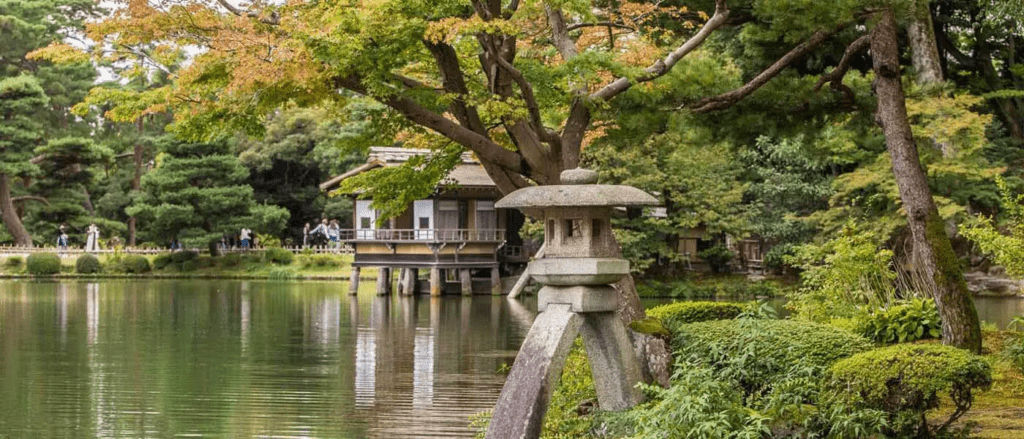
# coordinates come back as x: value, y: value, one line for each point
x: 92, y: 235
x: 62, y: 239
x: 244, y: 237
x: 334, y: 234
x: 320, y: 229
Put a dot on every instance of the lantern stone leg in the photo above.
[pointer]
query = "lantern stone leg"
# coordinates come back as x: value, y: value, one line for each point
x: 519, y: 412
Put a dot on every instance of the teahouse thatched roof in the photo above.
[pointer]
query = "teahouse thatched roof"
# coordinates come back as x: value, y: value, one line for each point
x: 468, y: 174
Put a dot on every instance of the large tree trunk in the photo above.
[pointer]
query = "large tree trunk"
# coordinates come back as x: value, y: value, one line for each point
x: 937, y: 262
x: 924, y: 50
x: 10, y: 216
x: 136, y: 186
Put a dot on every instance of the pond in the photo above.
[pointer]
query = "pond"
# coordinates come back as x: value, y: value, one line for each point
x: 202, y: 358
x: 174, y: 358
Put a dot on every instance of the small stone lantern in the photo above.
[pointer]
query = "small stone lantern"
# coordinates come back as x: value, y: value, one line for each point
x: 580, y: 261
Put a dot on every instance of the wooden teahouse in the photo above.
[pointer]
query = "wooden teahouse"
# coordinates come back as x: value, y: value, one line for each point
x: 456, y: 234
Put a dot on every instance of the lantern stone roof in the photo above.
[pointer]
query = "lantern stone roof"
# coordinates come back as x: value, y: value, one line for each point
x: 580, y: 190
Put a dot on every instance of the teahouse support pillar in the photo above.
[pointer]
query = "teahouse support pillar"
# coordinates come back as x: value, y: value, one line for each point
x: 435, y: 281
x: 353, y: 284
x: 466, y: 281
x: 495, y: 282
x: 384, y: 281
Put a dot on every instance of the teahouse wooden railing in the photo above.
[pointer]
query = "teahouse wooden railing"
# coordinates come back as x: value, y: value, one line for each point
x: 424, y: 235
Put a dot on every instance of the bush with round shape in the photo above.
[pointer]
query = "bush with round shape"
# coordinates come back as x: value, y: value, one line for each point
x: 188, y: 266
x: 13, y: 261
x: 757, y: 353
x: 678, y: 313
x: 135, y: 264
x: 43, y: 263
x: 162, y: 260
x: 182, y: 256
x: 87, y: 264
x: 905, y: 381
x: 279, y: 256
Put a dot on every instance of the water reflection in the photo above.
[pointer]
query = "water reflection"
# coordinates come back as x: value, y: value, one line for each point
x: 245, y: 359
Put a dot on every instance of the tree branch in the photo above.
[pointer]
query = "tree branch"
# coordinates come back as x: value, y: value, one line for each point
x: 484, y: 147
x: 560, y: 33
x: 835, y: 77
x: 543, y: 133
x: 23, y: 198
x: 575, y: 26
x: 662, y: 66
x: 273, y: 20
x: 726, y: 100
x: 454, y: 82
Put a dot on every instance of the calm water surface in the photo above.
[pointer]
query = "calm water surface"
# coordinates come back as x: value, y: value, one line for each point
x: 183, y: 358
x: 226, y: 359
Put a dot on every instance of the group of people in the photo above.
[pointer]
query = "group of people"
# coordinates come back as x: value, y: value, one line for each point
x: 92, y: 238
x: 330, y: 231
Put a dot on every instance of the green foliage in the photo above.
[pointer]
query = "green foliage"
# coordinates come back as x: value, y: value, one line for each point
x: 13, y: 261
x: 87, y: 264
x: 842, y: 274
x: 162, y: 260
x: 42, y: 263
x: 775, y: 259
x: 1004, y: 249
x: 188, y: 266
x: 279, y: 255
x: 906, y: 381
x: 135, y: 264
x: 674, y: 314
x: 694, y: 176
x: 717, y: 257
x: 902, y: 322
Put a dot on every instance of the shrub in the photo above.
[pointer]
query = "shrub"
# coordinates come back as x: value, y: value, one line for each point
x: 674, y: 314
x: 281, y: 273
x: 909, y: 321
x: 43, y: 263
x: 905, y: 381
x: 161, y: 261
x: 13, y: 261
x: 755, y: 353
x: 135, y: 264
x: 279, y: 256
x: 1013, y: 347
x: 717, y: 257
x: 322, y: 260
x: 87, y: 264
x: 182, y: 256
x: 231, y: 259
x: 188, y: 266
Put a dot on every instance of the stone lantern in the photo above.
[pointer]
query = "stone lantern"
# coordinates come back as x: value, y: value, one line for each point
x: 579, y: 264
